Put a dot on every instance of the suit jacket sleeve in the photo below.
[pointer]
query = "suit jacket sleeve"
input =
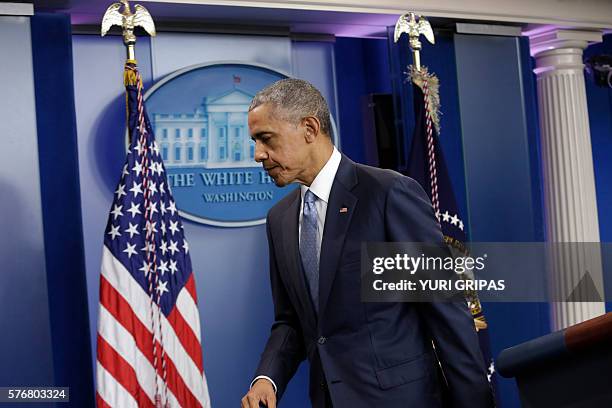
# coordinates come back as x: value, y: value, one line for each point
x: 285, y: 349
x: 409, y: 217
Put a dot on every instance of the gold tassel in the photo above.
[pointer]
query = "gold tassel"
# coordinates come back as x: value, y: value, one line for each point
x: 129, y: 77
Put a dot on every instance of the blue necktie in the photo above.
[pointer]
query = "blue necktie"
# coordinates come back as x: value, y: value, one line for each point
x: 309, y: 246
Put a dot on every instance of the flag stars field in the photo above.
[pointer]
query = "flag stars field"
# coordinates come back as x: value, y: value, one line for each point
x: 137, y: 168
x: 154, y: 147
x: 134, y: 209
x: 163, y: 267
x: 145, y: 268
x: 173, y: 247
x: 139, y: 148
x: 174, y: 227
x: 452, y: 219
x: 151, y: 227
x: 130, y: 249
x: 136, y: 189
x: 173, y: 267
x: 132, y: 230
x: 172, y: 208
x: 149, y: 247
x: 120, y: 191
x: 114, y: 232
x: 153, y: 208
x: 162, y: 287
x: 117, y: 211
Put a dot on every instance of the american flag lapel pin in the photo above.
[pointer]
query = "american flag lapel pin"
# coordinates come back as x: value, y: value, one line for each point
x: 343, y: 210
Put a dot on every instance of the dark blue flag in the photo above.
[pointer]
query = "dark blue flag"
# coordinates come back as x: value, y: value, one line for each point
x: 427, y: 166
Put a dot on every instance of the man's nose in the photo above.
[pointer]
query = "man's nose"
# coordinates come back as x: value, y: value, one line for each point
x: 260, y: 153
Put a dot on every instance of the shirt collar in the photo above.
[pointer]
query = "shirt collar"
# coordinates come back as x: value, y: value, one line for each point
x: 322, y: 184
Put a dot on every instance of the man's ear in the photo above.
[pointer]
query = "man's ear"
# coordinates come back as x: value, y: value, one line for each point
x: 312, y: 127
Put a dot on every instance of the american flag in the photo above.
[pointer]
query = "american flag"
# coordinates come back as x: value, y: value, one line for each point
x: 149, y: 348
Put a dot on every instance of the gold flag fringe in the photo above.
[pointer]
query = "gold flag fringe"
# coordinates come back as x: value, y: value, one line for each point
x: 471, y: 296
x: 418, y: 78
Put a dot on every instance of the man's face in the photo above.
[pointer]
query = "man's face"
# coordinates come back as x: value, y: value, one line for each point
x: 280, y: 146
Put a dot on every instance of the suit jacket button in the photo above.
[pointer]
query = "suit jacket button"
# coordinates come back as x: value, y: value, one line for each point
x: 322, y: 340
x: 323, y: 385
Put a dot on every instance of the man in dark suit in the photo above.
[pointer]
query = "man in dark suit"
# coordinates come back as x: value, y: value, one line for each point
x: 361, y: 354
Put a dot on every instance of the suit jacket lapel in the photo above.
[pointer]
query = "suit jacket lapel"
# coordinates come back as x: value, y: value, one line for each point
x: 336, y: 227
x: 290, y: 220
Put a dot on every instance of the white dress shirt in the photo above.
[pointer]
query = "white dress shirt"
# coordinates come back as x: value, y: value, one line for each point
x: 321, y: 187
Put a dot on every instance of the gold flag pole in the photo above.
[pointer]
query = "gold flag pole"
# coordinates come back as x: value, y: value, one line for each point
x: 128, y: 21
x: 408, y: 24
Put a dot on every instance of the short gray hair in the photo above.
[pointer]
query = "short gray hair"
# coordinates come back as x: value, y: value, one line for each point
x: 296, y: 99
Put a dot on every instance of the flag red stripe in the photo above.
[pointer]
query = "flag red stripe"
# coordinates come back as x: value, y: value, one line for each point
x: 100, y: 403
x: 122, y: 311
x: 178, y: 387
x: 190, y: 286
x: 186, y: 337
x: 122, y: 371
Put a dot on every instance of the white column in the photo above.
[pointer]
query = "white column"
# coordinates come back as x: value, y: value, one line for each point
x: 567, y: 162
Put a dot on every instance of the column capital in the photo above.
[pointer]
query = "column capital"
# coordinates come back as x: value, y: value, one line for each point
x: 560, y: 48
x: 551, y: 38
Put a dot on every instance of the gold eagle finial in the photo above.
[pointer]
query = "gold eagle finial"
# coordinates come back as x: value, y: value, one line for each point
x: 408, y: 24
x: 128, y: 21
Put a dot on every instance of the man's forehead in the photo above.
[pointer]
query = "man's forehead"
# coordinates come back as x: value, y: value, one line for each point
x: 259, y: 121
x: 262, y: 115
x: 264, y: 110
